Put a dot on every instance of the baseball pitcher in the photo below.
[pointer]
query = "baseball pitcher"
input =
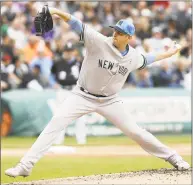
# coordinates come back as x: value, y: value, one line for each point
x: 107, y: 63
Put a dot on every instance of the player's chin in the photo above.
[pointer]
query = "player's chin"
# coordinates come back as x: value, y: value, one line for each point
x: 115, y: 42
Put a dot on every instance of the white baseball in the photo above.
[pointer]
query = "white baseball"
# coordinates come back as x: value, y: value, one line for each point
x: 178, y: 46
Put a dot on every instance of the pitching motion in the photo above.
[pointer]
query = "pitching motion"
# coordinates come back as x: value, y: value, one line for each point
x: 105, y: 68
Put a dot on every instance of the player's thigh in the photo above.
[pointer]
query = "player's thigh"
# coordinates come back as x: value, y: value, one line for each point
x: 73, y: 106
x: 69, y: 110
x: 117, y: 114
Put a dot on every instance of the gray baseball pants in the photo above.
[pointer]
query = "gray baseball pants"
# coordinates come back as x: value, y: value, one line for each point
x: 112, y: 108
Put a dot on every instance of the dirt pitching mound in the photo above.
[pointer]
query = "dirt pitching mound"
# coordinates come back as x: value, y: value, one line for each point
x: 162, y: 176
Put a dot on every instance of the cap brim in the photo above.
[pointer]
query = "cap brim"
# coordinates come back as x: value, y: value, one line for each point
x: 118, y: 29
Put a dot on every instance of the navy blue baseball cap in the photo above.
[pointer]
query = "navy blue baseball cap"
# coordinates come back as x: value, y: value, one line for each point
x: 125, y: 26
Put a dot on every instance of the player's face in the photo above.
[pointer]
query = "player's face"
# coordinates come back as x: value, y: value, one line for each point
x: 120, y: 38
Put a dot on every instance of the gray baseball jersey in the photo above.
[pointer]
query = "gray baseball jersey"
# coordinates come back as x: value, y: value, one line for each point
x: 104, y: 70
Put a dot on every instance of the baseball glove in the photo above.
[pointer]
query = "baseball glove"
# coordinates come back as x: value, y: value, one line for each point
x: 43, y: 21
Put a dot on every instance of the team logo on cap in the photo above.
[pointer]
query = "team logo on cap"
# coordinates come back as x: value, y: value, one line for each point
x: 120, y: 22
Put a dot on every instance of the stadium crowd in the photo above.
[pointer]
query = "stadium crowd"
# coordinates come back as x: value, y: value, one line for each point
x: 54, y: 61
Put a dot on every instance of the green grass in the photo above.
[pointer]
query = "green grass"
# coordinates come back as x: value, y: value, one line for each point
x: 60, y: 167
x: 26, y: 142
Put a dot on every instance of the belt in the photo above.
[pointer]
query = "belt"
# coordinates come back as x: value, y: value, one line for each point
x: 96, y: 95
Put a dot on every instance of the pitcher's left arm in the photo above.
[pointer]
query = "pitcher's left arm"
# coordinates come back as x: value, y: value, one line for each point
x: 149, y: 58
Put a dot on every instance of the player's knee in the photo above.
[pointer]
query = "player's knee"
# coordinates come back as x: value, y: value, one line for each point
x: 136, y: 134
x: 133, y: 134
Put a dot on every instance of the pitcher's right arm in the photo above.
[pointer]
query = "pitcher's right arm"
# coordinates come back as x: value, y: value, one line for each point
x: 89, y: 36
x: 74, y: 23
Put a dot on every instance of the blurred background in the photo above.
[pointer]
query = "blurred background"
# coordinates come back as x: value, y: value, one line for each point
x: 35, y: 71
x: 37, y: 74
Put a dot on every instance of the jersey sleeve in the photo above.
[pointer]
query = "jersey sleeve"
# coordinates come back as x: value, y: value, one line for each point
x: 90, y: 37
x: 141, y: 61
x: 76, y: 25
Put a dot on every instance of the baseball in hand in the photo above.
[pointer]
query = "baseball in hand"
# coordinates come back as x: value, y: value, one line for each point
x: 175, y: 48
x: 178, y: 46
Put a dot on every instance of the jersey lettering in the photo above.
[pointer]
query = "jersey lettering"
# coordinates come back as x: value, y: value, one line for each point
x: 123, y: 70
x: 106, y: 64
x: 109, y: 65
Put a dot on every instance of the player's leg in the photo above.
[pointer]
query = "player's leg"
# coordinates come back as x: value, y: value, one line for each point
x: 53, y: 104
x: 71, y: 108
x: 61, y: 95
x: 81, y: 130
x: 61, y: 137
x: 117, y: 115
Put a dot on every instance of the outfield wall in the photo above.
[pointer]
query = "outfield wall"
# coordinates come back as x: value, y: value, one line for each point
x: 163, y: 111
